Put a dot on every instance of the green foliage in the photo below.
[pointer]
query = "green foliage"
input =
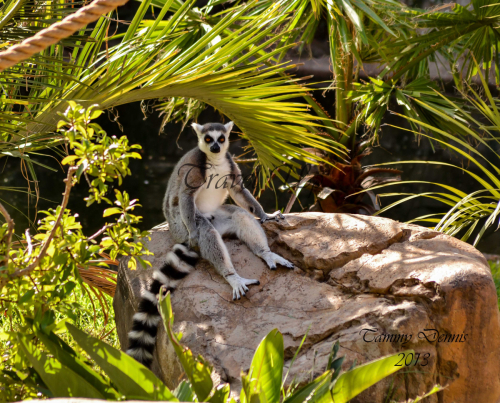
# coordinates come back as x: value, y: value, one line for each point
x: 105, y: 158
x: 53, y: 368
x: 495, y: 272
x: 188, y: 57
x: 411, y: 95
x: 62, y: 371
x: 266, y: 370
x: 40, y: 276
x: 95, y: 314
x: 98, y: 321
x: 466, y: 211
x: 131, y: 379
x: 353, y: 382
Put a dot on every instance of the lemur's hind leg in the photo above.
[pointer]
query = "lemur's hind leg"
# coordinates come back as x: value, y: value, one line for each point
x: 213, y: 249
x: 230, y: 219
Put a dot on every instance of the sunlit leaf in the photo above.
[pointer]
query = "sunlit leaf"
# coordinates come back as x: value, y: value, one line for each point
x: 130, y: 377
x: 198, y: 370
x: 353, y: 382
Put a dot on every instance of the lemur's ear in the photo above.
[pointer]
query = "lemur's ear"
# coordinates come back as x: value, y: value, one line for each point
x: 197, y: 128
x: 229, y: 127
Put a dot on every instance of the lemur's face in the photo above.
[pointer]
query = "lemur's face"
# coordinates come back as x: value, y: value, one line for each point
x: 213, y: 138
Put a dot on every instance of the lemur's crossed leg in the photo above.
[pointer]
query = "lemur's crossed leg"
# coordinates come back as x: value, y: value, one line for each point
x: 234, y: 220
x: 215, y: 251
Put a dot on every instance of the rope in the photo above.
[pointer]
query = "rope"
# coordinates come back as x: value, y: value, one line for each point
x: 60, y: 30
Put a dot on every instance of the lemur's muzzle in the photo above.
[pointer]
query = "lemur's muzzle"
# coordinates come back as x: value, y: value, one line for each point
x: 215, y: 148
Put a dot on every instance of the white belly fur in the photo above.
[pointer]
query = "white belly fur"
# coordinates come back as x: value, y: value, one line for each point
x: 213, y: 194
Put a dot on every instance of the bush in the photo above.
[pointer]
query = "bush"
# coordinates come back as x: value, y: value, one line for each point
x: 45, y: 278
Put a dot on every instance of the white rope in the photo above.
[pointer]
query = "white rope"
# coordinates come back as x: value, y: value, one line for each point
x: 60, y: 30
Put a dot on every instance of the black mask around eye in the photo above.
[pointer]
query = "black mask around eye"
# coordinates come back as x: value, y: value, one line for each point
x: 215, y: 148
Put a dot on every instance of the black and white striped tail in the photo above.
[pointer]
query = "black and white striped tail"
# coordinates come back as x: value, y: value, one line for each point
x: 142, y: 338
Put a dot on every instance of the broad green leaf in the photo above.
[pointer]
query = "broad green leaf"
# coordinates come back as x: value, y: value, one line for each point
x: 26, y: 297
x: 197, y: 369
x: 184, y: 392
x: 111, y: 211
x: 435, y: 389
x: 267, y: 365
x: 355, y: 381
x: 306, y: 392
x: 53, y: 344
x: 61, y: 380
x: 69, y: 158
x: 129, y: 376
x: 221, y: 394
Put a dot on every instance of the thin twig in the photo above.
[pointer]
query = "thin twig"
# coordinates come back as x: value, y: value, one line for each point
x: 107, y: 334
x: 10, y: 228
x: 87, y: 179
x: 91, y: 301
x: 245, y: 160
x: 100, y: 231
x: 45, y: 247
x: 30, y: 245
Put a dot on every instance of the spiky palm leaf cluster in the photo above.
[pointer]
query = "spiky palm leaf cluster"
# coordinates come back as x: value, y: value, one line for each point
x: 474, y: 130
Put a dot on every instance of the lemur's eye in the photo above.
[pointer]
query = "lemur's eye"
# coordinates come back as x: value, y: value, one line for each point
x: 222, y: 139
x: 208, y: 139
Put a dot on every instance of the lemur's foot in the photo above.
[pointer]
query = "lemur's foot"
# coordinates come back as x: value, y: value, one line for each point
x: 276, y: 216
x: 272, y: 259
x: 240, y: 284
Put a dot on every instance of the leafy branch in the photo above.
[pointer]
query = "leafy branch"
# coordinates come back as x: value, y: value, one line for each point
x: 48, y: 240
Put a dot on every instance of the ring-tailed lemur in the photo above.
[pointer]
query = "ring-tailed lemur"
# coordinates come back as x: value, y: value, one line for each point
x: 197, y: 216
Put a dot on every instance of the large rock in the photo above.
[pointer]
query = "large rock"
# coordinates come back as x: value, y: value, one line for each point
x: 373, y: 284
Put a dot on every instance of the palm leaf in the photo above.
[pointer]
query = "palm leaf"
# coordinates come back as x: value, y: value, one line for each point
x: 467, y: 211
x: 198, y: 64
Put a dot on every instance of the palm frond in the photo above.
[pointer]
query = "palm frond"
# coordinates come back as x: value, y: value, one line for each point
x: 162, y: 60
x: 99, y: 278
x: 467, y: 211
x: 464, y: 33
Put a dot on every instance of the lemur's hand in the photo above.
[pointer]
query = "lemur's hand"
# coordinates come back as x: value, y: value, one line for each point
x: 276, y: 216
x: 239, y: 284
x: 272, y: 259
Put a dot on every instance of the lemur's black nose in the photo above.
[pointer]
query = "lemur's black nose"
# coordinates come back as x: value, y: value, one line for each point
x: 215, y: 148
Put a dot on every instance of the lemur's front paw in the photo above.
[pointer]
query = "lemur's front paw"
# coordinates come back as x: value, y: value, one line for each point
x: 239, y: 285
x: 276, y: 216
x: 272, y: 259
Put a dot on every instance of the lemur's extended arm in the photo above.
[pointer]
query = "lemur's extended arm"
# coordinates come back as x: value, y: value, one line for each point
x: 243, y: 198
x: 191, y: 182
x: 188, y: 211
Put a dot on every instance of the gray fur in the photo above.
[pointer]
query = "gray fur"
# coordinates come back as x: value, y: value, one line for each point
x: 202, y: 223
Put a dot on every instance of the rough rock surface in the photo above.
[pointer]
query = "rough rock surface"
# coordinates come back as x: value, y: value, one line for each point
x: 365, y: 281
